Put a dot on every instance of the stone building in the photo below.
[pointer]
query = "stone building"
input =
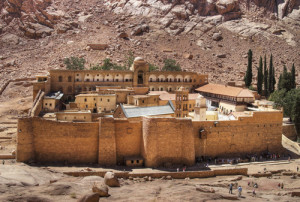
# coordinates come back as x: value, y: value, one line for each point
x: 96, y: 103
x: 181, y: 102
x: 227, y: 98
x: 140, y: 134
x: 73, y: 82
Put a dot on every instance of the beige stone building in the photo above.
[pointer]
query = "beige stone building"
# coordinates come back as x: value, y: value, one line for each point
x: 73, y: 82
x: 74, y: 116
x: 96, y: 103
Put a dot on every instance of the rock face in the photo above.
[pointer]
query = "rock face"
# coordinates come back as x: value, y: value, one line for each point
x: 36, y: 18
x: 111, y: 180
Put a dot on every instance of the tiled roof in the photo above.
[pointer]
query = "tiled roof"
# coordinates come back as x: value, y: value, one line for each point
x: 148, y: 111
x: 225, y: 90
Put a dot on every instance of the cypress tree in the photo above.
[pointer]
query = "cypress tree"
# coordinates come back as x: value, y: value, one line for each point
x: 273, y: 79
x: 248, y: 76
x: 293, y: 80
x: 265, y: 76
x: 279, y: 85
x: 260, y: 76
x: 271, y: 76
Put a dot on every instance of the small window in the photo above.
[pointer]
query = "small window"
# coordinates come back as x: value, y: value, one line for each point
x: 77, y: 79
x: 132, y: 161
x: 85, y: 99
x: 77, y: 74
x: 97, y: 74
x: 95, y: 105
x: 46, y: 104
x: 87, y: 74
x: 143, y: 101
x: 60, y: 79
x: 50, y: 105
x: 84, y: 117
x: 86, y: 106
x: 94, y: 99
x: 107, y: 100
x: 69, y: 79
x: 74, y: 117
x: 137, y: 161
x: 100, y: 99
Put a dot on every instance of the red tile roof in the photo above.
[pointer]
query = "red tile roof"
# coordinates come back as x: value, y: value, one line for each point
x: 225, y: 90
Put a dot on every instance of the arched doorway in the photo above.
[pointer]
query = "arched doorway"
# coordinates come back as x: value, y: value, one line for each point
x: 140, y: 77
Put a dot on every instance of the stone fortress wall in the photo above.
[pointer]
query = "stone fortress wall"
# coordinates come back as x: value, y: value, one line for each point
x: 157, y: 140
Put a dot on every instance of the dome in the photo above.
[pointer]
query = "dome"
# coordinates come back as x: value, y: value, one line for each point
x: 138, y: 59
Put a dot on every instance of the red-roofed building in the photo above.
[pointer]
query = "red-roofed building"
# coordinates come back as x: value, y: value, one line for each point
x: 227, y: 98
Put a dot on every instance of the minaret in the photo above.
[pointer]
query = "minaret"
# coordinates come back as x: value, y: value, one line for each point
x: 181, y: 102
x: 200, y: 109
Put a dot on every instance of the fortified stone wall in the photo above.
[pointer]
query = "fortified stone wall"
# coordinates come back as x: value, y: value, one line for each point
x: 159, y: 141
x: 247, y: 135
x: 167, y: 140
x: 51, y: 141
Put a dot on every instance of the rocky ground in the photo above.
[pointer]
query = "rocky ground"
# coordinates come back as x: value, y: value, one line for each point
x: 20, y: 182
x: 211, y: 38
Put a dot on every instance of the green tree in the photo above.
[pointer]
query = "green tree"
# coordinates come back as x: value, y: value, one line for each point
x: 296, y: 114
x: 260, y: 76
x: 74, y: 63
x: 248, y: 76
x: 153, y: 67
x: 96, y: 67
x: 107, y: 64
x: 271, y: 78
x: 171, y: 65
x: 285, y: 80
x: 265, y: 76
x: 293, y: 79
x: 129, y: 60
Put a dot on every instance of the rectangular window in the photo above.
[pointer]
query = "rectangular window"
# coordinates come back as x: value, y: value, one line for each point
x: 107, y: 100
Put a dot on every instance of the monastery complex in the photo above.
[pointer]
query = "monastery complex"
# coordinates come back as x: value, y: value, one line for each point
x: 143, y: 118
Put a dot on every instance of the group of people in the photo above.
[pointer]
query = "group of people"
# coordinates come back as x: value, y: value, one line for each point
x: 240, y: 189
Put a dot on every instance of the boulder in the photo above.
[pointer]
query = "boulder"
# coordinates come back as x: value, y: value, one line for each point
x: 188, y: 56
x: 180, y: 12
x: 102, y: 190
x: 217, y: 36
x: 90, y: 197
x: 122, y: 35
x: 205, y: 189
x: 111, y: 180
x: 140, y: 30
x: 226, y: 6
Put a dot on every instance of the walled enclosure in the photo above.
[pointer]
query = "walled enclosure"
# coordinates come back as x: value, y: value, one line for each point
x: 158, y: 140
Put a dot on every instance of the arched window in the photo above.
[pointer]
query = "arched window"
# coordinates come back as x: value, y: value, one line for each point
x: 69, y: 79
x: 60, y: 79
x: 140, y: 77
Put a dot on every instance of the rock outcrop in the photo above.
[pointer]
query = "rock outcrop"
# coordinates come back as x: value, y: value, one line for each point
x: 36, y: 18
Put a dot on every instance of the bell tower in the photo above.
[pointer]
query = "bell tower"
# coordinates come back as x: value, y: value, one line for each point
x: 140, y: 70
x: 200, y: 109
x: 181, y: 102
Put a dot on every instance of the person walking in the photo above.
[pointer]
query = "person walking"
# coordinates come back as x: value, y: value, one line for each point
x: 240, y: 191
x: 230, y: 188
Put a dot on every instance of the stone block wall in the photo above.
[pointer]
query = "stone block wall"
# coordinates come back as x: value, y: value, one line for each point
x: 167, y: 140
x: 159, y: 141
x: 247, y: 135
x: 52, y: 141
x: 290, y: 131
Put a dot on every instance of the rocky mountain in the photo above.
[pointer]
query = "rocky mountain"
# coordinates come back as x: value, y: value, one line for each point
x: 208, y: 36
